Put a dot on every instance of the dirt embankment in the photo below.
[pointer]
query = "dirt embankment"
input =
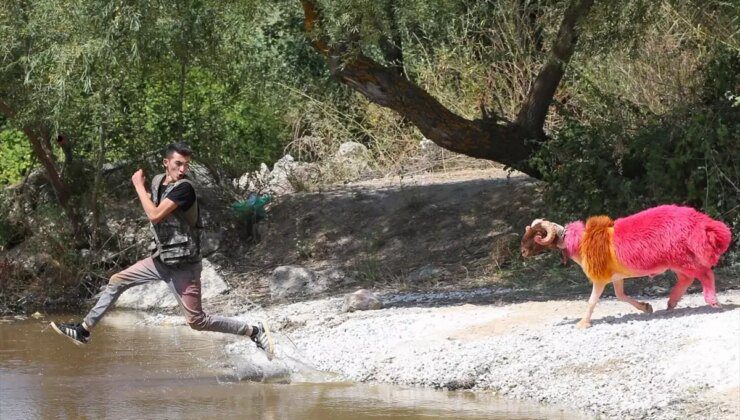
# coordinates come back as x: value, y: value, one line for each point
x: 435, y: 231
x: 444, y: 231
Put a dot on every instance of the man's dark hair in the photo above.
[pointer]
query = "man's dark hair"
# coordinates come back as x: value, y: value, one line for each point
x: 180, y: 148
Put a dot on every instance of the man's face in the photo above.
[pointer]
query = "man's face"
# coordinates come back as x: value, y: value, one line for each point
x: 177, y: 166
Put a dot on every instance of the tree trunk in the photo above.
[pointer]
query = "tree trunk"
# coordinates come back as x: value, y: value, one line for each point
x: 35, y: 137
x: 534, y: 109
x: 492, y: 138
x: 480, y: 138
x: 60, y: 187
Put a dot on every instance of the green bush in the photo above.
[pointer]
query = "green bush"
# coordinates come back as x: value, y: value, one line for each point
x: 16, y: 156
x: 688, y: 156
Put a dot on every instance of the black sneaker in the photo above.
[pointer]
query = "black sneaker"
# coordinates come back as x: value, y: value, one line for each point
x: 263, y: 339
x: 74, y: 332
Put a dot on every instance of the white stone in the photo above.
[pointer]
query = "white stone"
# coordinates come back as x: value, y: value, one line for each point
x: 352, y: 150
x: 361, y: 300
x: 426, y: 144
x: 351, y: 160
x: 285, y: 173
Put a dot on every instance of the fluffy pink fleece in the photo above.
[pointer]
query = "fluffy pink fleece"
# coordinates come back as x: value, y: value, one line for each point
x: 661, y: 238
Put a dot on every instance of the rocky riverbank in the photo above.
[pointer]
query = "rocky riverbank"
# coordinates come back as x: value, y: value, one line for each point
x: 679, y: 364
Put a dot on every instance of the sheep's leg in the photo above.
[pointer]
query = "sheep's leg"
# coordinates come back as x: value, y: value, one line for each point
x: 683, y: 283
x: 596, y: 291
x: 619, y: 291
x: 707, y: 284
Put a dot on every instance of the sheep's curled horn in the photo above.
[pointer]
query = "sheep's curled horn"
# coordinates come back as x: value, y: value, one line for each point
x: 553, y: 231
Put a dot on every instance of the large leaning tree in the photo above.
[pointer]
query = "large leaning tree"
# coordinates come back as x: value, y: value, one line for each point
x: 511, y: 142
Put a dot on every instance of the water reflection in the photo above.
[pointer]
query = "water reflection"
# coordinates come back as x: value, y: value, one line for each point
x: 131, y: 371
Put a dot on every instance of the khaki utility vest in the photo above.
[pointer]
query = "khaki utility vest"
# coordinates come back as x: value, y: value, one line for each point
x: 177, y: 237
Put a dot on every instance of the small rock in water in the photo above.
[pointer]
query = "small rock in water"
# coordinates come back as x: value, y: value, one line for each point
x: 37, y: 315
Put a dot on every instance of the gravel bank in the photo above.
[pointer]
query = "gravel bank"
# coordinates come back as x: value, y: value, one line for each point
x: 679, y: 364
x: 662, y: 365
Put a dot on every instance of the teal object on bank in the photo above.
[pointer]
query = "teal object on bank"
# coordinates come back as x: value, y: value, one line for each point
x: 253, y: 206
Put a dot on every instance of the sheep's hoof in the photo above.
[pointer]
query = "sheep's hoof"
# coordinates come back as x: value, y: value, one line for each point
x: 647, y: 308
x: 582, y: 325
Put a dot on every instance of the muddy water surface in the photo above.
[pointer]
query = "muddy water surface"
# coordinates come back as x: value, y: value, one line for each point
x: 134, y: 371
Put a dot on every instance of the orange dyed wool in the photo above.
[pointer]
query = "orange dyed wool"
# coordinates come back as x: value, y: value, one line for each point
x: 597, y: 251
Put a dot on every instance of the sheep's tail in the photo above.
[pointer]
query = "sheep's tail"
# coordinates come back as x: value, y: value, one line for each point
x: 711, y: 242
x: 596, y: 248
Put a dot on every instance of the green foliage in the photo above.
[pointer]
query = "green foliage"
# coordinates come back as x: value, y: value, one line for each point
x: 16, y: 156
x: 686, y: 157
x: 238, y: 132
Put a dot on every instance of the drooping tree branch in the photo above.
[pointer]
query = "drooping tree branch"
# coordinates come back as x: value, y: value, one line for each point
x: 311, y: 17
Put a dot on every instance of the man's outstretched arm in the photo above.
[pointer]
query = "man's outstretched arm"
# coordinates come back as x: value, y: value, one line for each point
x: 155, y: 213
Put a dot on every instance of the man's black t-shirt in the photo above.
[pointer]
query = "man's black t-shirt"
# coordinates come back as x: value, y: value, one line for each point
x: 183, y: 195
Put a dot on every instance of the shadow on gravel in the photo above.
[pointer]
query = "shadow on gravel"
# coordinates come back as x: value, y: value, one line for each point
x: 475, y: 296
x: 660, y: 314
x: 498, y: 295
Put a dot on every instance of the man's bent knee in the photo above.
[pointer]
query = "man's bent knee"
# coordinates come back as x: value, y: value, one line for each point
x: 115, y: 280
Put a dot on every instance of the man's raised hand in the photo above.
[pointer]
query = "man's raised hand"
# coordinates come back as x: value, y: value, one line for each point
x: 138, y: 178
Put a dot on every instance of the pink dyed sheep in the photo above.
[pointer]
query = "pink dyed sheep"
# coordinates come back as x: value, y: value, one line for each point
x: 662, y: 238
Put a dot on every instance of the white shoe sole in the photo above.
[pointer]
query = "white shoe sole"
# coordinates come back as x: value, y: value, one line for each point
x: 56, y: 328
x: 270, y: 344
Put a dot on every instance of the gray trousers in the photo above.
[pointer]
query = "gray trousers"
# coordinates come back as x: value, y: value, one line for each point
x: 183, y: 280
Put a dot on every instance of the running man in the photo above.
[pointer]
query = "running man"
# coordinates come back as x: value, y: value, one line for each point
x: 172, y: 208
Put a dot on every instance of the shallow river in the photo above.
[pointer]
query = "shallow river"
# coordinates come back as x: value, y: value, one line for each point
x: 135, y: 371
